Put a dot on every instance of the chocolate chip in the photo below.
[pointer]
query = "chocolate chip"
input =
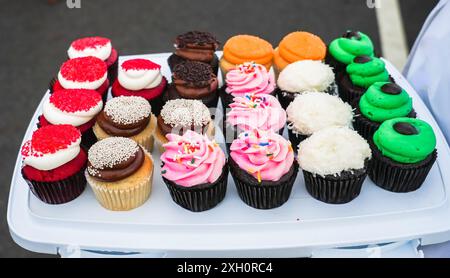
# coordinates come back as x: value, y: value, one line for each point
x: 362, y: 59
x: 405, y: 128
x: 391, y: 89
x: 194, y: 72
x: 352, y: 34
x: 196, y: 37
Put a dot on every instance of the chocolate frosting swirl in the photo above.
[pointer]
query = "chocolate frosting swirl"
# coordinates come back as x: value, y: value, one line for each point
x: 194, y: 80
x: 167, y: 128
x: 196, y: 46
x: 120, y: 129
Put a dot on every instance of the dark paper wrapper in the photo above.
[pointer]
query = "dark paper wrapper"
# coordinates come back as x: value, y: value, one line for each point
x: 157, y: 104
x: 286, y: 98
x: 113, y: 70
x: 88, y: 138
x: 365, y: 127
x: 174, y: 60
x: 210, y: 101
x: 201, y: 197
x: 337, y: 66
x: 295, y: 139
x: 58, y: 192
x: 335, y: 190
x: 398, y: 177
x: 264, y: 195
x: 349, y: 92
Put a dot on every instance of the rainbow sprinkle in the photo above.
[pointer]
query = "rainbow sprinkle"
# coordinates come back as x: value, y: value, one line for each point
x: 259, y: 176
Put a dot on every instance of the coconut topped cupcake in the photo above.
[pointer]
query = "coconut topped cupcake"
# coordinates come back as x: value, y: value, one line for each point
x: 332, y: 151
x: 180, y: 115
x: 249, y: 78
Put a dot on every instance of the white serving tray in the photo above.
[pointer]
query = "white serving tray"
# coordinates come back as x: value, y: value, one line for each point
x: 300, y: 227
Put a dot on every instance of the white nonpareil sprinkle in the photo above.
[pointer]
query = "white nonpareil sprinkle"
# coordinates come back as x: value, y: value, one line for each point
x: 185, y: 112
x: 128, y: 109
x: 111, y: 151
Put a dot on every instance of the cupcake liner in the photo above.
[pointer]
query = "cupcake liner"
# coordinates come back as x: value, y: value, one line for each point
x: 88, y: 138
x: 58, y: 192
x: 339, y: 189
x: 295, y: 139
x: 174, y: 60
x: 157, y: 104
x: 286, y: 98
x: 200, y: 197
x: 113, y: 71
x: 264, y: 195
x: 398, y: 177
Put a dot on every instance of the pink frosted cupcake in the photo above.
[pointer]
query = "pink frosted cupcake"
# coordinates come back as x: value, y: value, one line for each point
x: 247, y: 78
x: 263, y: 168
x: 194, y: 170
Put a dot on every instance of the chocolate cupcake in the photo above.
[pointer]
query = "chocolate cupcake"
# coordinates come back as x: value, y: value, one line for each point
x: 334, y: 162
x: 247, y: 78
x: 98, y: 47
x: 195, y: 46
x: 120, y: 173
x: 180, y: 115
x: 263, y: 168
x: 54, y: 164
x: 360, y: 74
x: 77, y: 107
x: 404, y: 151
x: 304, y: 76
x: 381, y: 102
x: 342, y: 51
x: 142, y: 78
x: 311, y: 112
x: 193, y: 80
x: 194, y: 170
x: 129, y: 117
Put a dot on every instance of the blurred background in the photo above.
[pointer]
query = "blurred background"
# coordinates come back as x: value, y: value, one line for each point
x: 35, y: 35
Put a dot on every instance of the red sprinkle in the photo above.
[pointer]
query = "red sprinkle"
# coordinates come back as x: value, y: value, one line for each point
x: 89, y: 42
x: 140, y: 64
x: 75, y: 100
x: 83, y: 69
x: 50, y: 139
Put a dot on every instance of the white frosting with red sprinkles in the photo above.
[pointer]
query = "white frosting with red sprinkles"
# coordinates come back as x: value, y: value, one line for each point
x: 138, y: 74
x: 128, y: 109
x: 74, y: 106
x: 83, y: 73
x: 91, y: 46
x: 51, y: 146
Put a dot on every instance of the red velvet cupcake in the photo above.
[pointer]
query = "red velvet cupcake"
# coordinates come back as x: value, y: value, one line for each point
x: 54, y: 164
x: 82, y: 73
x: 77, y: 107
x: 98, y: 47
x: 143, y: 78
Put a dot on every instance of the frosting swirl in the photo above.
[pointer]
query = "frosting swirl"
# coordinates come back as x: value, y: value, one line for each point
x: 380, y: 103
x: 197, y: 46
x: 91, y: 46
x: 265, y: 155
x: 256, y: 111
x: 351, y: 45
x: 192, y: 159
x: 139, y: 74
x: 245, y: 48
x: 249, y: 78
x: 365, y: 70
x: 405, y: 140
x: 83, y: 73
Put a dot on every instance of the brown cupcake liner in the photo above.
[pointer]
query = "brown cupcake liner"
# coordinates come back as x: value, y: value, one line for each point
x: 264, y: 195
x: 339, y: 189
x: 200, y: 197
x: 296, y: 139
x: 174, y: 60
x: 113, y: 70
x: 286, y: 98
x: 58, y: 192
x: 398, y: 177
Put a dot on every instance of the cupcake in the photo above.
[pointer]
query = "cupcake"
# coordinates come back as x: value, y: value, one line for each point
x: 77, y: 107
x: 342, y: 51
x: 180, y: 115
x: 195, y: 46
x: 129, y: 117
x: 360, y: 74
x: 143, y: 78
x: 311, y: 112
x: 120, y: 173
x: 304, y: 76
x: 244, y: 79
x: 54, y: 163
x: 98, y: 47
x: 263, y: 168
x: 245, y: 48
x: 298, y: 46
x: 334, y: 163
x: 194, y: 170
x: 193, y: 80
x: 82, y: 73
x: 382, y: 101
x: 404, y: 150
x: 254, y: 111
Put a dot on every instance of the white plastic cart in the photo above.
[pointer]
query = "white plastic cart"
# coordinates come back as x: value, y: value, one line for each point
x: 376, y: 224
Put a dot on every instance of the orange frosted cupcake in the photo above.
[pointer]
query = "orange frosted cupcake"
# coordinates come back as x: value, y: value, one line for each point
x: 245, y: 48
x: 298, y: 46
